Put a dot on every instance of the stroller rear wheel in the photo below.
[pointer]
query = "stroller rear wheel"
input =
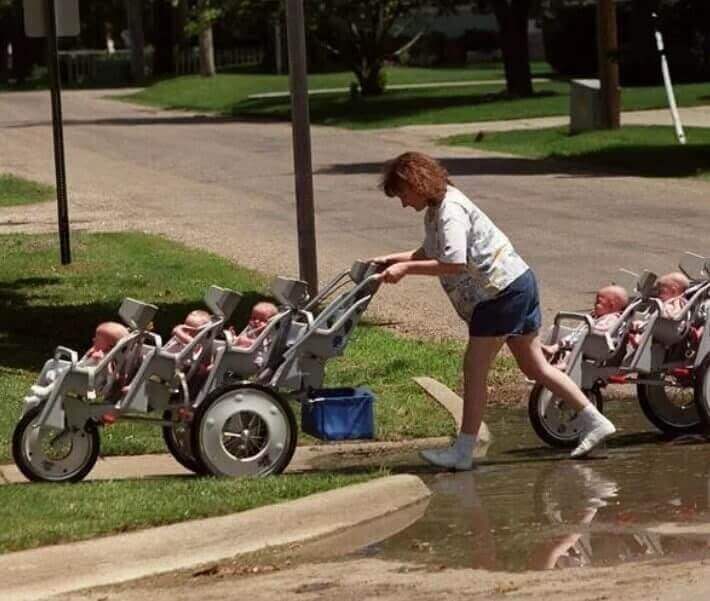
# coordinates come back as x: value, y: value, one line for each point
x: 244, y: 430
x: 702, y: 393
x: 47, y: 455
x: 671, y: 409
x: 553, y: 421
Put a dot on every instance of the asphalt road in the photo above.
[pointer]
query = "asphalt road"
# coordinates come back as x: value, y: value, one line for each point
x: 228, y: 186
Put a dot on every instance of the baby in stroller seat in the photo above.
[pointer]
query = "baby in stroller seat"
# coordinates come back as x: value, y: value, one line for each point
x: 259, y: 318
x: 671, y: 292
x: 106, y: 336
x: 183, y: 333
x: 609, y: 303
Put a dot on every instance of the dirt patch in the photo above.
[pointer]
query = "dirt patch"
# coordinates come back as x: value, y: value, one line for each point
x: 358, y: 579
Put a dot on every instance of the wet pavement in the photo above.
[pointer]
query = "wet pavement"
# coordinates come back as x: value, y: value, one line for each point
x: 530, y: 508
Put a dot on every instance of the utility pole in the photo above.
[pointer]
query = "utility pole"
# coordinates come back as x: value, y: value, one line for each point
x: 301, y: 133
x: 51, y: 19
x: 608, y: 52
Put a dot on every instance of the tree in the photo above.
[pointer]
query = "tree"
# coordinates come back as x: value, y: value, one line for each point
x: 512, y: 17
x: 357, y: 32
x: 202, y: 16
x: 134, y: 20
x: 360, y: 34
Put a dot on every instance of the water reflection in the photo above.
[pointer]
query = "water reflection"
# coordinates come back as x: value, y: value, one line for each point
x: 556, y: 514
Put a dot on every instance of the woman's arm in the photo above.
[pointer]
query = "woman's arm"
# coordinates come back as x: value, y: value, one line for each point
x: 394, y: 273
x: 409, y: 255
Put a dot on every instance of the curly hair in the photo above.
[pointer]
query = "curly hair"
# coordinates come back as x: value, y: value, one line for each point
x: 420, y: 172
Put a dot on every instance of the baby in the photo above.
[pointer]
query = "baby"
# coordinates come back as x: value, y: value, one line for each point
x: 671, y: 289
x: 609, y: 303
x: 260, y: 316
x: 106, y: 336
x: 185, y: 332
x: 671, y: 292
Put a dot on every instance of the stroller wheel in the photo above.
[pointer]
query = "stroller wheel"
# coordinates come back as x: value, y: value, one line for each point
x: 178, y: 440
x: 702, y: 393
x: 552, y: 420
x: 672, y: 410
x: 244, y: 430
x: 48, y: 455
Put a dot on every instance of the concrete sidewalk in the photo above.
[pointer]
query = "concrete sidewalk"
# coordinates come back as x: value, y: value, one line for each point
x: 400, y: 86
x: 306, y: 459
x: 48, y: 571
x: 695, y: 116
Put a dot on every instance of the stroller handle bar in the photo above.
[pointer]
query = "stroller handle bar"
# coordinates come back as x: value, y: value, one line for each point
x: 63, y: 351
x: 570, y: 315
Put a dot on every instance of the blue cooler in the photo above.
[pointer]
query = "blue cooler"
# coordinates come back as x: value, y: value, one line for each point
x: 339, y: 414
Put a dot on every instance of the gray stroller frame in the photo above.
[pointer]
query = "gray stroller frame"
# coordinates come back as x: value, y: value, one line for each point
x: 57, y: 439
x: 663, y: 363
x: 243, y: 424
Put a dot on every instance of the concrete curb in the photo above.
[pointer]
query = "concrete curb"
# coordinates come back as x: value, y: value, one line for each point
x: 40, y: 573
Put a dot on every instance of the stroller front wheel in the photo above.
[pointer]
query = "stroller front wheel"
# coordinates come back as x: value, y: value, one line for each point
x: 46, y: 455
x: 553, y: 421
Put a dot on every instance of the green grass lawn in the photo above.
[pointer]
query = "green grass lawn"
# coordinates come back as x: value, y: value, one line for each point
x: 43, y: 514
x: 650, y: 151
x: 45, y: 304
x: 19, y: 191
x: 227, y: 94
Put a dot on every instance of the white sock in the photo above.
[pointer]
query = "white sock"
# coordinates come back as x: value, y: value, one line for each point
x: 595, y: 428
x: 592, y: 416
x: 464, y: 444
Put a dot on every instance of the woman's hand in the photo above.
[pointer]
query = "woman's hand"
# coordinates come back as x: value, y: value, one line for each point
x: 394, y: 273
x: 384, y: 260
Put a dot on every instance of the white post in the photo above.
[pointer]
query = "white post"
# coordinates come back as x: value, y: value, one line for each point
x: 680, y: 134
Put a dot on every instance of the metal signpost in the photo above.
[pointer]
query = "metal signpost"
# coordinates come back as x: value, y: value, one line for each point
x: 51, y: 19
x: 680, y: 134
x: 301, y: 131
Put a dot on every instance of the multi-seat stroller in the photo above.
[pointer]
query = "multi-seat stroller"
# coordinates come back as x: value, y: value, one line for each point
x: 668, y: 366
x: 222, y: 411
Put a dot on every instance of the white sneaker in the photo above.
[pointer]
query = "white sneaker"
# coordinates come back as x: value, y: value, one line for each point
x: 449, y: 458
x: 595, y: 428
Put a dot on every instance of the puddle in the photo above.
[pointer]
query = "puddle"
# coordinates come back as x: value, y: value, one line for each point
x: 529, y: 508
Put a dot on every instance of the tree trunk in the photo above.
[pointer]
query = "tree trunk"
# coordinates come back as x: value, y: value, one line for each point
x: 134, y: 18
x: 207, y: 68
x: 512, y: 17
x: 164, y: 38
x: 368, y: 76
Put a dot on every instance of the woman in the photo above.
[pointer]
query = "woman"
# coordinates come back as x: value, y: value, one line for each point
x: 492, y: 289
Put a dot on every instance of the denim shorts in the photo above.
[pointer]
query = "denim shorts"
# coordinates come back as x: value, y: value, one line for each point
x: 513, y: 312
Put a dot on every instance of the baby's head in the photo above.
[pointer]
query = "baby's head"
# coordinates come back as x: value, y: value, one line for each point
x: 672, y: 285
x: 261, y: 313
x: 107, y: 334
x: 610, y: 299
x: 197, y: 318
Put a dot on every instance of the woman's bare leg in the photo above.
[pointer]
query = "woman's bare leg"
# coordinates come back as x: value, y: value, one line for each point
x: 479, y: 356
x: 529, y: 356
x: 527, y: 351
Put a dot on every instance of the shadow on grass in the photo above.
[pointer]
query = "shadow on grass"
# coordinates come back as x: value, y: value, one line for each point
x: 650, y: 161
x: 31, y: 330
x: 644, y: 161
x: 333, y: 109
